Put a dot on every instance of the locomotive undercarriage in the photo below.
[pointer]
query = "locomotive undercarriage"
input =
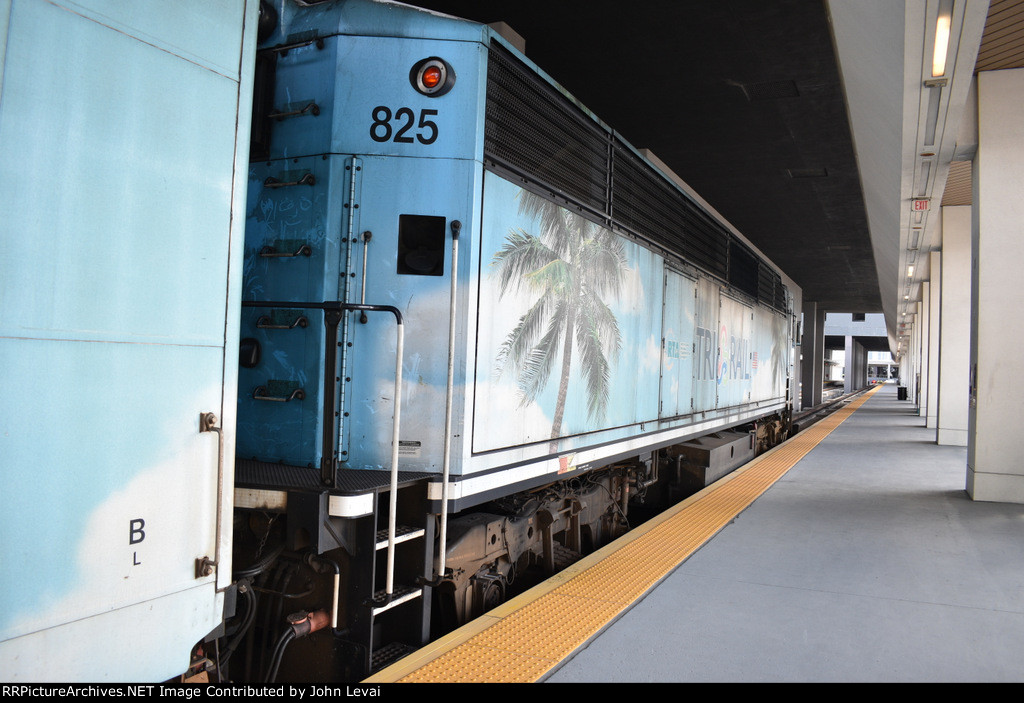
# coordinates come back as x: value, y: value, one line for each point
x: 298, y: 560
x: 514, y: 540
x: 493, y: 550
x: 540, y: 532
x: 772, y: 430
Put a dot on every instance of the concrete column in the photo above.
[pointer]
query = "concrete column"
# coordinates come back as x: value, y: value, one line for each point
x: 925, y: 308
x: 995, y: 446
x: 918, y: 341
x: 856, y: 363
x: 862, y: 365
x: 910, y: 380
x: 849, y: 364
x: 812, y: 348
x: 935, y: 289
x: 796, y: 373
x: 955, y: 321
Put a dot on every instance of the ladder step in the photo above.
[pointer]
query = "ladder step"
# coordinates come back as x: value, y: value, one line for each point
x: 401, y: 595
x: 402, y: 534
x: 389, y: 654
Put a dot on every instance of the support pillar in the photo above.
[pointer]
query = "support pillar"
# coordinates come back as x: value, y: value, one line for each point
x: 909, y: 367
x: 996, y: 443
x: 935, y: 290
x: 856, y: 363
x: 917, y: 343
x: 955, y: 326
x: 812, y: 348
x: 925, y: 308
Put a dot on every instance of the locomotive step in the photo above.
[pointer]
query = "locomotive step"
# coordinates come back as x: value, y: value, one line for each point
x: 403, y: 533
x: 389, y: 654
x: 402, y: 594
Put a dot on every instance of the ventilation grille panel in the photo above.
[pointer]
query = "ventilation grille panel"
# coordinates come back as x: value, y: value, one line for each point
x: 532, y: 128
x: 541, y: 136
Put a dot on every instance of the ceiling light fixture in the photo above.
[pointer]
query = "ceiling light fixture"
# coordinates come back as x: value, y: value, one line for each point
x: 941, y: 39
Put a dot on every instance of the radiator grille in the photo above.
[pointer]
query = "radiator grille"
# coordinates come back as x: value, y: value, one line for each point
x: 644, y: 202
x: 743, y: 269
x: 532, y: 128
x: 535, y: 131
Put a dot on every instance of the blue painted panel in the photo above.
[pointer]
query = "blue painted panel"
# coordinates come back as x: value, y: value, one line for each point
x: 109, y: 212
x: 377, y: 110
x: 420, y: 156
x: 366, y: 104
x: 95, y: 436
x: 770, y: 355
x: 306, y: 76
x: 370, y: 18
x: 207, y: 33
x: 117, y: 177
x: 296, y: 250
x: 446, y: 188
x: 5, y: 16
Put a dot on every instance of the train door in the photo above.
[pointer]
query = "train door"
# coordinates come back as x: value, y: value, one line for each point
x: 705, y: 376
x: 677, y: 351
x: 734, y: 353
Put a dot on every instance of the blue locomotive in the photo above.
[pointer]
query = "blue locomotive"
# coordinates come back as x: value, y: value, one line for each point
x: 473, y: 327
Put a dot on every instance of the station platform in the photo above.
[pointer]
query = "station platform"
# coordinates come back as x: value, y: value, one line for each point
x: 850, y: 553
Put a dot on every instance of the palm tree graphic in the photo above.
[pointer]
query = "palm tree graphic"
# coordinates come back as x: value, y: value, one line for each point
x: 572, y: 265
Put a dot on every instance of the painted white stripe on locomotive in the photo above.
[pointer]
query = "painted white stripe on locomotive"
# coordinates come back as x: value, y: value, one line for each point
x: 350, y: 506
x: 257, y: 499
x: 481, y: 484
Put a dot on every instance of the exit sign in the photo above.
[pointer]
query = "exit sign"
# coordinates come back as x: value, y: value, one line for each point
x: 920, y: 205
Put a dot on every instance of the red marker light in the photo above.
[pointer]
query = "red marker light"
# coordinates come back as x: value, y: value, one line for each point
x: 431, y: 77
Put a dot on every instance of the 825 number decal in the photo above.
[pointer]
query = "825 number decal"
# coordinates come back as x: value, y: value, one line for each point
x: 382, y: 131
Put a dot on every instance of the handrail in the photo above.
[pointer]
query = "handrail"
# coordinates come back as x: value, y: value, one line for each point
x: 333, y: 311
x: 449, y: 392
x: 265, y: 323
x: 446, y: 466
x: 270, y: 252
x: 311, y: 107
x: 285, y: 48
x: 307, y: 179
x: 362, y: 294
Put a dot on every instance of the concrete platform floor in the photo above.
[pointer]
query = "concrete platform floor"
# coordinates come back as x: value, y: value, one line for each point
x: 866, y: 562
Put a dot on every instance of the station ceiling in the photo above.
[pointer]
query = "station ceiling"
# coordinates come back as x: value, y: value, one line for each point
x: 797, y: 120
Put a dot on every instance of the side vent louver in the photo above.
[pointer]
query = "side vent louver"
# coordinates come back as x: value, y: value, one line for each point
x: 537, y: 134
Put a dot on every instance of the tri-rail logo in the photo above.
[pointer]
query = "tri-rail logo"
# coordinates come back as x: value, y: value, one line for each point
x: 728, y: 360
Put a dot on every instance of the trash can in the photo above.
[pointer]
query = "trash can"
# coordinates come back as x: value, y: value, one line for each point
x: 901, y: 393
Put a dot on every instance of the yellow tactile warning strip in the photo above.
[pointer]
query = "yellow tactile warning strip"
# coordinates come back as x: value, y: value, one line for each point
x: 524, y: 639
